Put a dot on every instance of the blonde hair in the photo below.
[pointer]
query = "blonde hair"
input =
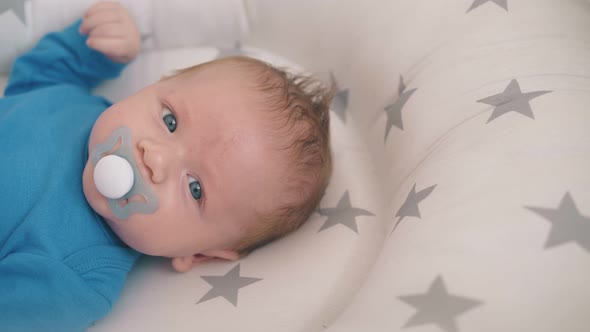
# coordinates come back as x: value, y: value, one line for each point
x: 299, y: 106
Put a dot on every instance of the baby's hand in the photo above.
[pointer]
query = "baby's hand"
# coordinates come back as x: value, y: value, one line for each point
x: 111, y: 31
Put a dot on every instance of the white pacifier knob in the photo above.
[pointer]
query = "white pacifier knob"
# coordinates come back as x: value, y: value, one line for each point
x: 113, y: 176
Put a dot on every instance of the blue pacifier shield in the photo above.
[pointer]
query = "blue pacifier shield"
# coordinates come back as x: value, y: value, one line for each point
x: 117, y: 176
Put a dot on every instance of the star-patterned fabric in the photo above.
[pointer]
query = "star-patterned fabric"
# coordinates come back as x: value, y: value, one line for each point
x: 343, y: 213
x: 459, y: 199
x: 477, y: 3
x: 438, y: 307
x: 17, y: 7
x: 567, y: 224
x: 340, y: 101
x: 410, y: 206
x: 227, y: 286
x: 512, y: 100
x: 394, y: 111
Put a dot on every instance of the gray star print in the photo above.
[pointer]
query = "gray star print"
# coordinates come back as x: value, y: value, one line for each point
x: 477, y: 3
x: 512, y: 99
x: 410, y: 207
x: 17, y: 6
x: 438, y: 307
x: 568, y: 224
x: 227, y: 286
x: 394, y: 111
x: 343, y: 214
x: 235, y: 50
x: 145, y: 37
x: 340, y: 101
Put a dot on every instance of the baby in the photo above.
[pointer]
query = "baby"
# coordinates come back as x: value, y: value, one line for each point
x: 217, y: 160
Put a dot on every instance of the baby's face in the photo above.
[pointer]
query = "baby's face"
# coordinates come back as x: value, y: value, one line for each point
x: 202, y: 145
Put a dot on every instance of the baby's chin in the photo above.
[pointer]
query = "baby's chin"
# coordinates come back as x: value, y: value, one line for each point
x: 134, y: 237
x: 131, y: 231
x: 128, y: 237
x: 93, y: 197
x: 101, y: 206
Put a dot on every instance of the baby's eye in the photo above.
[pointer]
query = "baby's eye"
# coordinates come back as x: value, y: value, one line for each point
x: 169, y: 119
x: 195, y: 188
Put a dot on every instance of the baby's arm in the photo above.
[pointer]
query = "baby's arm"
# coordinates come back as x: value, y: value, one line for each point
x: 43, y: 294
x: 71, y: 57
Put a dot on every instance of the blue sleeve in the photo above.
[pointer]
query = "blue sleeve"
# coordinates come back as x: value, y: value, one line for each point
x: 38, y: 293
x: 61, y: 57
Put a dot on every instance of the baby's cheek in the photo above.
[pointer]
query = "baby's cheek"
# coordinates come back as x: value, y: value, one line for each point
x: 88, y: 187
x: 96, y: 201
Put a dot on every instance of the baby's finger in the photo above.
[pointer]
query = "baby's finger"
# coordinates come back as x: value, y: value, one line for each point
x: 101, y: 6
x: 112, y: 47
x: 110, y: 30
x: 105, y: 45
x: 91, y: 22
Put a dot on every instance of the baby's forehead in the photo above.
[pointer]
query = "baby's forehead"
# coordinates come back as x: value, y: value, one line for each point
x: 227, y: 89
x: 234, y: 66
x: 228, y: 77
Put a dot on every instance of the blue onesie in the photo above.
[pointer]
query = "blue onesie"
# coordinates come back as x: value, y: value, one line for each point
x: 61, y: 267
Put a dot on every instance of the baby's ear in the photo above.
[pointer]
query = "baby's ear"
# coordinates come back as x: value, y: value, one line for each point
x: 228, y: 255
x: 185, y: 263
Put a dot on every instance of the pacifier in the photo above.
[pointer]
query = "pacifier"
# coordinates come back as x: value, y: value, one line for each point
x: 113, y: 176
x: 117, y: 177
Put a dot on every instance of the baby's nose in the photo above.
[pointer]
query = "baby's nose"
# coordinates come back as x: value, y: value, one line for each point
x: 155, y: 158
